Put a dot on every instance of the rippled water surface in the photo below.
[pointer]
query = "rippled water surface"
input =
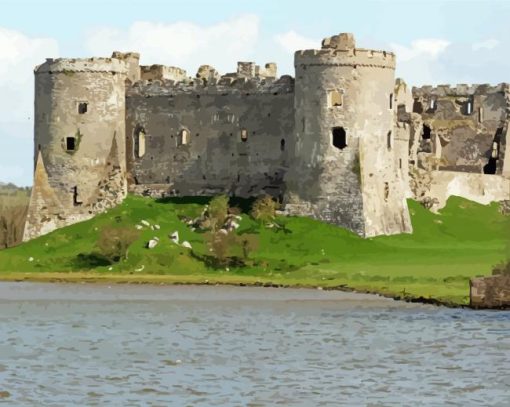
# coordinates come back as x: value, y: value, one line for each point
x: 64, y: 345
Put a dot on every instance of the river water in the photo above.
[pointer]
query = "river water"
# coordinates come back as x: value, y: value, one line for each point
x: 63, y: 345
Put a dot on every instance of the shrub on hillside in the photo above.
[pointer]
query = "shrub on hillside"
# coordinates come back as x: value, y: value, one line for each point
x: 12, y: 223
x: 113, y: 243
x: 264, y: 209
x: 218, y: 211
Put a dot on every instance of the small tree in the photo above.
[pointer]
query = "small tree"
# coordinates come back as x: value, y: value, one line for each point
x: 264, y: 209
x: 249, y: 243
x: 218, y: 211
x: 220, y: 245
x: 113, y: 243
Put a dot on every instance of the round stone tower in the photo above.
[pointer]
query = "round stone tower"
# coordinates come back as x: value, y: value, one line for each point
x: 79, y: 137
x: 344, y: 171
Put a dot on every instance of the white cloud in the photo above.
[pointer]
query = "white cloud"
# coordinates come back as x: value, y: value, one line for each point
x: 428, y: 48
x: 291, y: 41
x: 19, y: 54
x: 487, y: 44
x: 182, y: 44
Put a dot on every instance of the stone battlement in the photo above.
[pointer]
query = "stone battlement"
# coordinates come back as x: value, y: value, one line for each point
x: 346, y: 57
x: 459, y: 90
x: 226, y: 85
x: 68, y: 65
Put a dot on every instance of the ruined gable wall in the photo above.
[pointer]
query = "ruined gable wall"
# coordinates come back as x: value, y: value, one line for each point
x: 462, y: 140
x: 215, y: 160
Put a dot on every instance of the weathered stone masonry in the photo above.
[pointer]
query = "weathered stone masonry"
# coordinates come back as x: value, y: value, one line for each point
x: 336, y: 143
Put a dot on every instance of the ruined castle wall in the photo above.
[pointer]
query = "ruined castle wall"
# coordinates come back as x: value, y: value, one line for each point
x: 465, y: 122
x: 188, y: 139
x: 354, y: 185
x: 79, y: 131
x: 162, y: 72
x: 481, y: 188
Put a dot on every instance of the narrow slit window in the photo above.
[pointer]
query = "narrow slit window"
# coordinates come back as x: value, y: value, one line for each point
x: 70, y: 144
x: 140, y: 144
x: 388, y: 140
x: 183, y: 137
x: 391, y: 100
x: 400, y: 163
x: 282, y: 144
x: 335, y: 98
x: 83, y: 107
x: 76, y: 197
x: 386, y: 191
x: 469, y: 107
x: 339, y: 137
x: 244, y: 135
x: 433, y: 104
x: 426, y: 132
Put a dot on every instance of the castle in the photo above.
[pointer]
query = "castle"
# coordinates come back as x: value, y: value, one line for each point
x: 336, y: 143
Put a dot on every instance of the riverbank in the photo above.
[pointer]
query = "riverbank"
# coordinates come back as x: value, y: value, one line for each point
x: 224, y: 281
x: 434, y: 264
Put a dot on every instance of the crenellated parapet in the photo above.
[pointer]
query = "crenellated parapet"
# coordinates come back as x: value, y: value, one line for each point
x: 74, y: 65
x: 340, y: 50
x: 238, y: 85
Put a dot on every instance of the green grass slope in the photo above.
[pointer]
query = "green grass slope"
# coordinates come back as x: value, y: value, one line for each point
x: 465, y: 240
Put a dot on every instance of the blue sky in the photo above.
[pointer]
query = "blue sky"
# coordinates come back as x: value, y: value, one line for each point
x: 435, y: 41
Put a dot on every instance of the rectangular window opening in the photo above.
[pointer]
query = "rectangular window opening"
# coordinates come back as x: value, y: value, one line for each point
x: 339, y: 137
x: 70, y: 143
x: 83, y: 107
x: 335, y: 98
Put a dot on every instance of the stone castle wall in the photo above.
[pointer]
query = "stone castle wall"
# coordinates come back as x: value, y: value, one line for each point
x: 79, y: 138
x: 346, y: 94
x: 464, y: 129
x: 210, y: 139
x: 337, y: 143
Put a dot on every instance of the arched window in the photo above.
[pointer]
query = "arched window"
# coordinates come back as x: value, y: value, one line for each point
x: 183, y: 137
x: 244, y: 135
x: 140, y: 143
x: 339, y: 137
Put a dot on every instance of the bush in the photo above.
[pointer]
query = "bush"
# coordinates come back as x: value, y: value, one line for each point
x: 264, y: 209
x: 218, y: 211
x: 12, y: 223
x: 113, y: 243
x: 249, y: 243
x: 221, y: 246
x: 502, y: 268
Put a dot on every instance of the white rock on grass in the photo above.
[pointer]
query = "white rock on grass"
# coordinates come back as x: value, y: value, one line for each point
x: 30, y: 259
x: 152, y: 244
x: 174, y: 237
x: 156, y: 227
x: 186, y: 244
x: 145, y: 223
x: 139, y: 227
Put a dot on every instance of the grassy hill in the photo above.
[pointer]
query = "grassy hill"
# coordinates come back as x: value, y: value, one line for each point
x: 465, y: 240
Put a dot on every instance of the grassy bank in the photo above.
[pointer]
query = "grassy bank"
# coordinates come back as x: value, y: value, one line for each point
x: 436, y: 261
